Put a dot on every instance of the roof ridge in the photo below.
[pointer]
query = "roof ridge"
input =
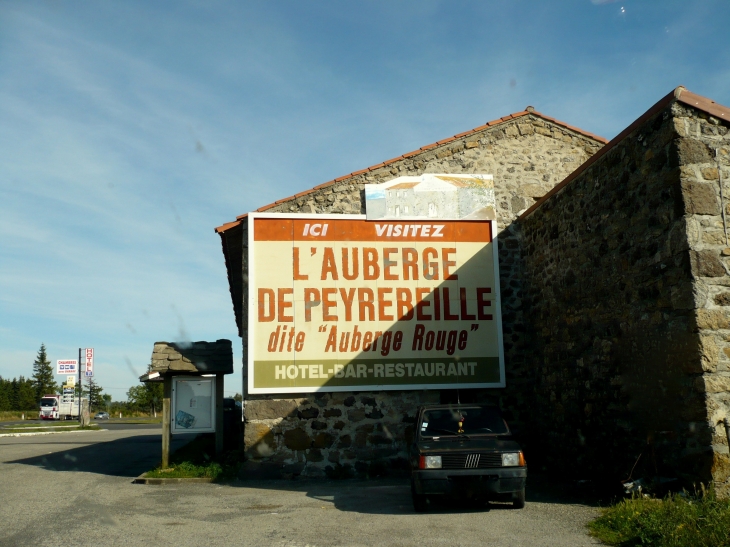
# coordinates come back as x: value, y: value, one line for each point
x: 679, y: 93
x: 529, y: 111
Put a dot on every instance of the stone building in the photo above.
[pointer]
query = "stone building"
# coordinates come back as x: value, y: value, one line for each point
x: 527, y: 153
x: 627, y: 288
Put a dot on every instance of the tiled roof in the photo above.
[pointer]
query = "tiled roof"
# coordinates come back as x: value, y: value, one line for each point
x: 679, y: 94
x: 528, y: 111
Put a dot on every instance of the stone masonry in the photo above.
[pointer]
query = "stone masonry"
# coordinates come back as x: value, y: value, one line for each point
x: 629, y: 298
x: 198, y: 357
x: 346, y: 433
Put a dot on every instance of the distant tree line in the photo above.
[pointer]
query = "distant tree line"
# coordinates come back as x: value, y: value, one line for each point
x: 22, y: 394
x: 17, y: 394
x: 25, y: 393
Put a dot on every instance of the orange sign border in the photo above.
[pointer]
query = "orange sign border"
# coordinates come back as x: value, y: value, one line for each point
x: 363, y: 230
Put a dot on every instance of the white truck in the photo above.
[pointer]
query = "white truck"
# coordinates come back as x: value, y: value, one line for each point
x: 52, y: 407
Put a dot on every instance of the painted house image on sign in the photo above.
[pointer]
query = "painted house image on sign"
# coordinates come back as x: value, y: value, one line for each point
x: 444, y: 196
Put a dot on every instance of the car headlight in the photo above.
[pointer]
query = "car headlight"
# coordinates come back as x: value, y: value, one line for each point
x: 430, y: 462
x: 510, y: 459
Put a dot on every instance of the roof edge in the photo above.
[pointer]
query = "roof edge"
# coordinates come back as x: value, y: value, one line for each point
x: 529, y: 111
x: 676, y: 94
x: 702, y: 103
x: 229, y: 225
x: 679, y: 93
x: 231, y: 267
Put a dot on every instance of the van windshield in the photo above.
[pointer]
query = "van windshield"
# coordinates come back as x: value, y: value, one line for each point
x: 48, y: 401
x: 463, y: 421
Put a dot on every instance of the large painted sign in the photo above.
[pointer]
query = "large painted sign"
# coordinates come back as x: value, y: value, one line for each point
x: 339, y: 303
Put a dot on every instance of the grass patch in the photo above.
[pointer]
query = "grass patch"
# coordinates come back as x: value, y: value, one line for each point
x: 92, y: 427
x: 679, y: 520
x: 14, y: 415
x: 196, y: 460
x: 134, y: 421
x: 44, y: 424
x: 187, y: 470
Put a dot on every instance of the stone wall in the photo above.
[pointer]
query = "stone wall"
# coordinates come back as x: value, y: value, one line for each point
x: 704, y: 153
x: 352, y: 432
x: 628, y: 295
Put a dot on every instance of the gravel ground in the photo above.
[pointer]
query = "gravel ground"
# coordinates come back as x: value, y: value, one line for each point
x: 75, y: 489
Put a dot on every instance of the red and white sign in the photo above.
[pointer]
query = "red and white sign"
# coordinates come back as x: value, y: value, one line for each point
x: 89, y: 361
x: 339, y: 303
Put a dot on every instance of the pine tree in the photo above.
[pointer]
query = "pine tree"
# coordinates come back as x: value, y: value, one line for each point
x: 27, y: 399
x: 43, y: 376
x: 5, y: 388
x: 96, y: 397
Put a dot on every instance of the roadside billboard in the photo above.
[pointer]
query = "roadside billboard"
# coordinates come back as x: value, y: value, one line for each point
x: 338, y: 303
x: 67, y: 366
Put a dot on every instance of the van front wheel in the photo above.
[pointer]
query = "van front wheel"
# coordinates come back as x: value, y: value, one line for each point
x: 518, y: 499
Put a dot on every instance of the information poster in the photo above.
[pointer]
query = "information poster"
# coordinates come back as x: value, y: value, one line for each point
x: 193, y: 404
x: 338, y: 303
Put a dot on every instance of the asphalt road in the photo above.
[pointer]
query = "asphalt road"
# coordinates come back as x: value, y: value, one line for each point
x: 76, y: 488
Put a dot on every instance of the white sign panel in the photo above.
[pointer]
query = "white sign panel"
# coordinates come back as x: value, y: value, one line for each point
x: 431, y: 196
x: 89, y: 362
x: 193, y: 405
x: 67, y: 366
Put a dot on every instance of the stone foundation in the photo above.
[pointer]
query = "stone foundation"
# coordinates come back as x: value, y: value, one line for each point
x: 332, y: 433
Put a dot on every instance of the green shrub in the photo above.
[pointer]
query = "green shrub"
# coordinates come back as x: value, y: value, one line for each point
x: 679, y: 520
x: 189, y: 470
x: 195, y: 460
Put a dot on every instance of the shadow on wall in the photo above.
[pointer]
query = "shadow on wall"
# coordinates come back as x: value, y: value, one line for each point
x: 441, y: 315
x: 611, y: 304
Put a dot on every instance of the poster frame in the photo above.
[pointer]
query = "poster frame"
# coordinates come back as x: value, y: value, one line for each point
x: 176, y: 405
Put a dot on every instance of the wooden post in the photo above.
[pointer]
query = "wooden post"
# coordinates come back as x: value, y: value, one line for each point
x: 219, y: 414
x: 167, y: 392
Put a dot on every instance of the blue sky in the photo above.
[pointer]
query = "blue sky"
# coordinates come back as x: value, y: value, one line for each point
x: 130, y: 130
